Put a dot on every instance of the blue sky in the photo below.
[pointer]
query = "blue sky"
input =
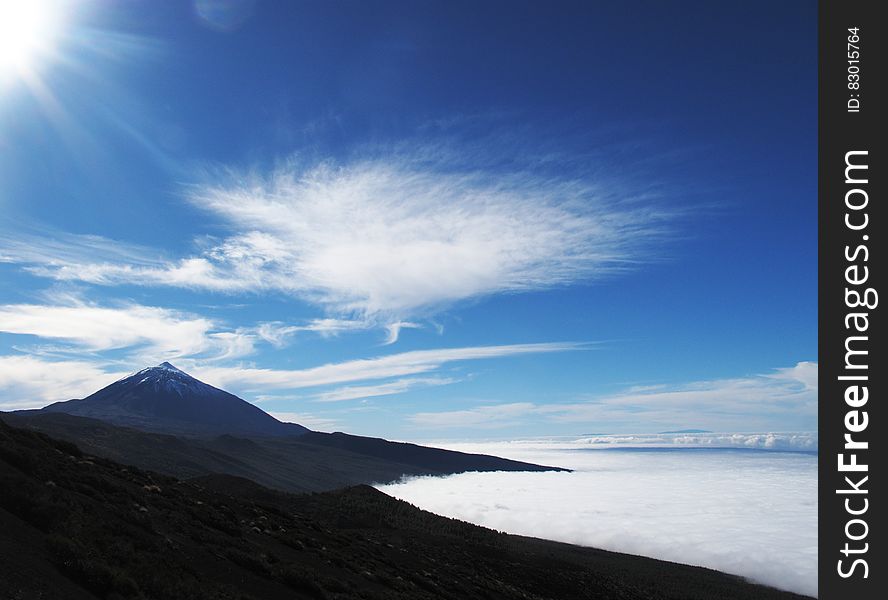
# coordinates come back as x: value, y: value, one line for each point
x: 418, y: 220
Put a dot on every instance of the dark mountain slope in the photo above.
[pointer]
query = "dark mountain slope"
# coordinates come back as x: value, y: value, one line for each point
x: 163, y: 399
x: 294, y: 464
x: 79, y: 527
x: 133, y: 421
x: 434, y: 460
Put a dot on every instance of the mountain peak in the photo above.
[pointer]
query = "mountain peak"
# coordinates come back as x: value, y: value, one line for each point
x: 166, y: 399
x: 162, y: 371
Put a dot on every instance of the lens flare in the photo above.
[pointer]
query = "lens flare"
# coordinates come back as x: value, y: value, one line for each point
x: 28, y: 30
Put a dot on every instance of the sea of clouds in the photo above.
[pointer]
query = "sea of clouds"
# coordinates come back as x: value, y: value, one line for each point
x: 741, y: 503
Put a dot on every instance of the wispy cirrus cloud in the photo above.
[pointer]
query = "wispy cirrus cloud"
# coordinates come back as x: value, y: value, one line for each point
x: 785, y: 392
x: 149, y: 330
x: 492, y: 416
x: 399, y: 386
x: 787, y: 395
x: 151, y: 333
x: 24, y: 374
x: 52, y: 250
x: 316, y: 422
x: 384, y: 238
x: 278, y: 334
x: 394, y: 330
x: 383, y: 367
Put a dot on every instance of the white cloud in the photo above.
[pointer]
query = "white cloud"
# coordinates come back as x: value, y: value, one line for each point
x: 151, y: 333
x: 29, y: 382
x: 315, y: 422
x: 278, y: 334
x: 382, y: 367
x: 788, y: 393
x: 394, y: 330
x: 786, y: 399
x: 481, y: 417
x: 158, y: 333
x: 32, y: 382
x: 388, y: 239
x: 56, y: 249
x: 193, y: 273
x: 795, y: 441
x: 804, y: 373
x: 753, y: 514
x: 399, y: 386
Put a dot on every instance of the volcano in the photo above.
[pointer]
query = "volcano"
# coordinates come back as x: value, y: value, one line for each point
x: 164, y: 399
x: 163, y: 419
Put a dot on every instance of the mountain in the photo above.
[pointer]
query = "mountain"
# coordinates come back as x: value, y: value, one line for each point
x: 306, y: 463
x: 79, y: 527
x: 165, y: 420
x: 164, y: 399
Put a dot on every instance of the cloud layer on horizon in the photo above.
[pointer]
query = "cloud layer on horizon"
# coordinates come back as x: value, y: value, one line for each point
x: 751, y: 514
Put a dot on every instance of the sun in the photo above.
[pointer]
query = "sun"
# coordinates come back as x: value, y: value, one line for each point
x: 28, y: 29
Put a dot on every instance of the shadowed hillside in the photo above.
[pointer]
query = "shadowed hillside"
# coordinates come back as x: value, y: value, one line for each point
x: 305, y: 463
x: 80, y: 527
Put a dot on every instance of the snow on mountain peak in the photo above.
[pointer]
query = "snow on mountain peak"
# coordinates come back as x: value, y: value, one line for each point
x: 169, y: 367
